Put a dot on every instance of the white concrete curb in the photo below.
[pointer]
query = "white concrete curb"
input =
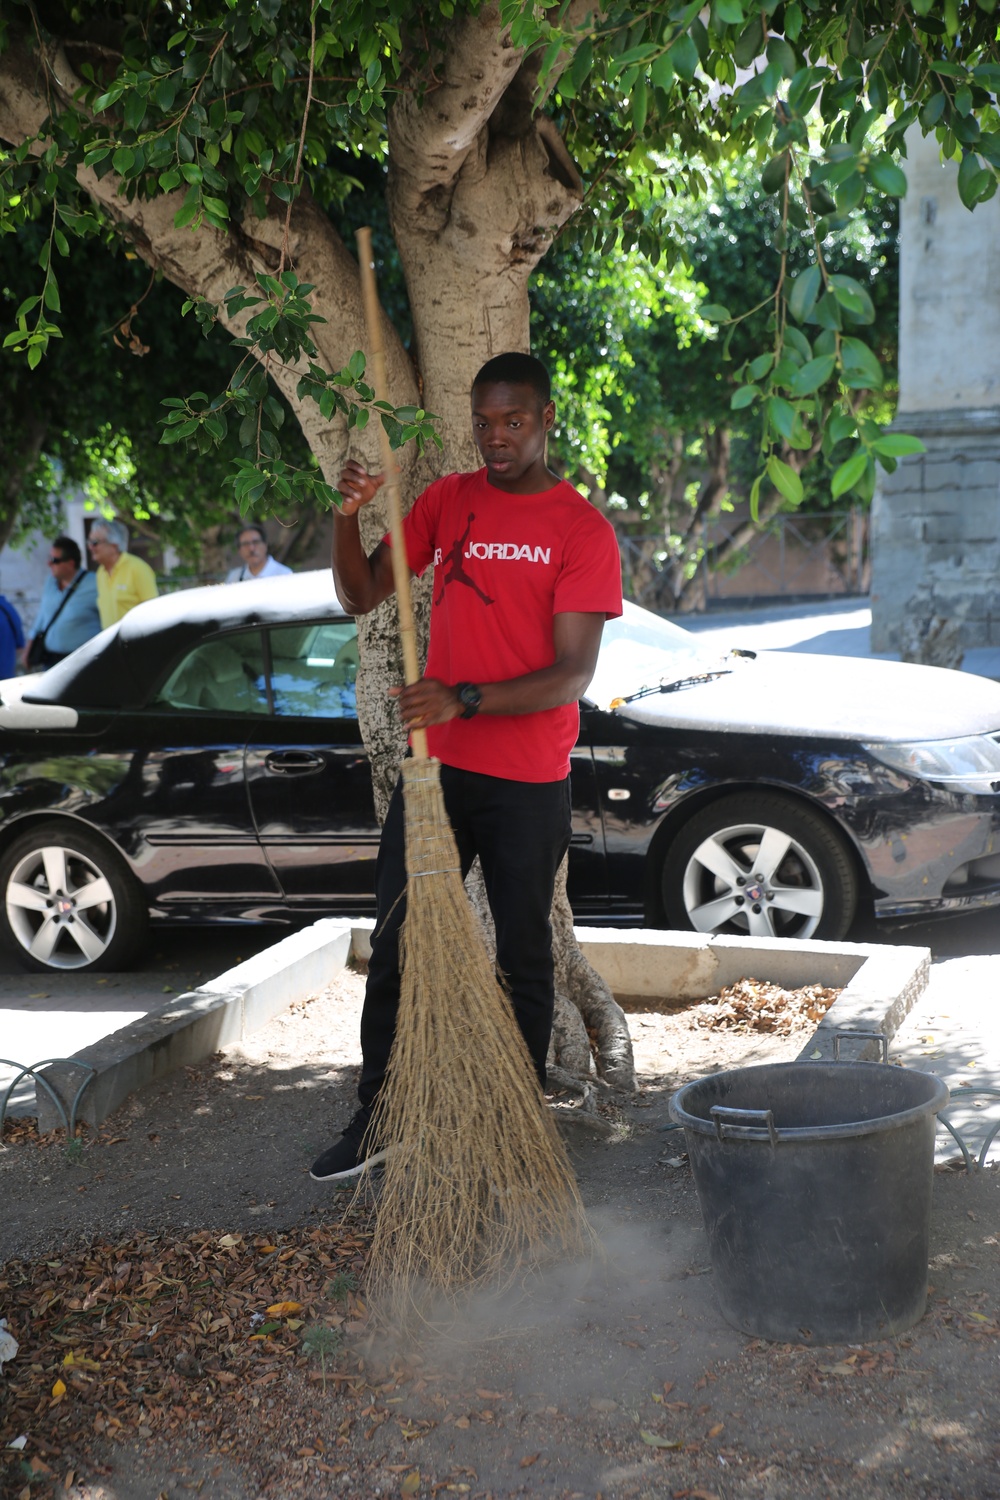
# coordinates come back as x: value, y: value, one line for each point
x: 194, y: 1025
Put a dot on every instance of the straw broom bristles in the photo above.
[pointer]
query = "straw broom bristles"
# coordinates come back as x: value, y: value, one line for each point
x: 477, y: 1184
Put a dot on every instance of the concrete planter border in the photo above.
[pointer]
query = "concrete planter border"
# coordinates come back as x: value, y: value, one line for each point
x: 881, y: 983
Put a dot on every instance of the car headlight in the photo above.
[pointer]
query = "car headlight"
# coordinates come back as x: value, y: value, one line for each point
x: 970, y: 764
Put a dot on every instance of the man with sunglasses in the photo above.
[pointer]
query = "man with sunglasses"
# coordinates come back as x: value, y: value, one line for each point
x: 67, y: 615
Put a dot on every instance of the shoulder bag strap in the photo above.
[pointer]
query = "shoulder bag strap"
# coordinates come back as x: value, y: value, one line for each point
x: 65, y: 599
x: 62, y: 603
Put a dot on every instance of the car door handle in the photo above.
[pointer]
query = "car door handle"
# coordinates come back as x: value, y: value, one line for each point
x: 293, y: 762
x: 581, y: 838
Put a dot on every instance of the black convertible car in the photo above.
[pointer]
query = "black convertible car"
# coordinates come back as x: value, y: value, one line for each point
x: 201, y: 762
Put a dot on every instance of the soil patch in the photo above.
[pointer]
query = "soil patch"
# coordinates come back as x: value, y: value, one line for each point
x: 190, y: 1309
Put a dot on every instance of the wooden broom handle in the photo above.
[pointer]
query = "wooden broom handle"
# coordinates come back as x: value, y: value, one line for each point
x: 390, y: 468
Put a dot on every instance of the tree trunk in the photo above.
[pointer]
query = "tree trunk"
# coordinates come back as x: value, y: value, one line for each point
x: 478, y: 186
x: 17, y: 466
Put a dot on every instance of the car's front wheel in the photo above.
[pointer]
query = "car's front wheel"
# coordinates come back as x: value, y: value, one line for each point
x: 69, y: 902
x: 762, y: 865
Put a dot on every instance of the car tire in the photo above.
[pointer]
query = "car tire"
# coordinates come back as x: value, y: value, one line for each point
x: 68, y: 901
x: 807, y: 885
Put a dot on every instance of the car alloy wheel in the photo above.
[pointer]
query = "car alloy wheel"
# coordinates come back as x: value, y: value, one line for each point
x: 763, y: 866
x: 68, y: 904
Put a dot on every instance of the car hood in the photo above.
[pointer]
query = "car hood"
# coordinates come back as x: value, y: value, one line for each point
x: 822, y: 697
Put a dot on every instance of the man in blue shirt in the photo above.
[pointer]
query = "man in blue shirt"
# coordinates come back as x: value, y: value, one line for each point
x: 68, y: 611
x: 11, y: 638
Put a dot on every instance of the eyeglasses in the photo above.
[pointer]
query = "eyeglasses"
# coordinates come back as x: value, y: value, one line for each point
x: 55, y: 561
x: 252, y: 542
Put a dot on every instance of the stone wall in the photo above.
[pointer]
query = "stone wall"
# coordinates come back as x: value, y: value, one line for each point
x: 935, y: 531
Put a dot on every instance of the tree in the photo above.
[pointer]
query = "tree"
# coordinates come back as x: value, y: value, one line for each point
x: 650, y: 418
x: 217, y: 140
x: 88, y: 416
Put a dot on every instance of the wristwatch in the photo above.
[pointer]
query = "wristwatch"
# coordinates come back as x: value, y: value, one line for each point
x: 470, y: 698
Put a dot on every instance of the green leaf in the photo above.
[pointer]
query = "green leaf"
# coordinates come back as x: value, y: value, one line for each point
x: 684, y: 56
x: 729, y: 11
x: 751, y: 42
x: 166, y: 92
x: 860, y: 368
x: 884, y: 174
x: 745, y: 395
x: 804, y: 292
x: 934, y: 108
x: 640, y: 104
x: 827, y: 312
x: 661, y: 71
x: 784, y: 479
x: 772, y: 179
x: 848, y: 474
x: 973, y: 180
x: 878, y: 92
x: 841, y: 426
x: 781, y: 415
x: 796, y: 340
x: 714, y: 312
x: 783, y: 56
x: 755, y: 498
x: 897, y: 445
x: 853, y: 298
x: 759, y: 367
x: 850, y: 193
x: 813, y: 375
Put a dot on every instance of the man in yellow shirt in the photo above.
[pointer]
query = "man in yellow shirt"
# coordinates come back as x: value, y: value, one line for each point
x: 123, y: 581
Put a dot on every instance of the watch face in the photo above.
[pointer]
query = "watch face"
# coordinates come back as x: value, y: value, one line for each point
x: 470, y: 698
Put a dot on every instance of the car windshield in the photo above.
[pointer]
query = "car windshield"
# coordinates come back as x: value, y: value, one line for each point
x: 639, y: 650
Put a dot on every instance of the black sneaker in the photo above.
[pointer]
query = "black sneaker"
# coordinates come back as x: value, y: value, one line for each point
x: 351, y: 1154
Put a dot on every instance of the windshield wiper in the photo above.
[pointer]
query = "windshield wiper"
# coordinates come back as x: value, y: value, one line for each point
x: 683, y: 682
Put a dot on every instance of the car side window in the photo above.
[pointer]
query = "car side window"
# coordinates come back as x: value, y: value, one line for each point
x: 221, y: 675
x: 313, y: 670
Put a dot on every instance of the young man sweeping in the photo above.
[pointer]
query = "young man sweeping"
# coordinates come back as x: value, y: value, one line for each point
x: 526, y: 571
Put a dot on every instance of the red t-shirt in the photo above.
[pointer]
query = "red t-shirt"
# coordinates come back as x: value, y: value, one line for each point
x: 504, y: 566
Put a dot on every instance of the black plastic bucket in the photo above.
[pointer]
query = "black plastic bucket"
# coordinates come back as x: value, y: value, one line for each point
x: 814, y: 1181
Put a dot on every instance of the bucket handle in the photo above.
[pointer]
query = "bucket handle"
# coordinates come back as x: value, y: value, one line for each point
x: 865, y: 1036
x: 743, y: 1124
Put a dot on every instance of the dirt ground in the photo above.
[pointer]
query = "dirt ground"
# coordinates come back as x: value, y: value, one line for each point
x: 191, y: 1317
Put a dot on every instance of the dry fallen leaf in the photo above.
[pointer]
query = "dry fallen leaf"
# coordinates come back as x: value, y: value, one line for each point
x: 714, y: 1431
x: 411, y: 1484
x: 283, y: 1309
x: 658, y: 1442
x: 58, y: 1391
x: 529, y: 1459
x: 79, y: 1361
x: 841, y: 1369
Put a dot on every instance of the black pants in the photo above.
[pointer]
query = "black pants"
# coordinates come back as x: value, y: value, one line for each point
x: 520, y: 830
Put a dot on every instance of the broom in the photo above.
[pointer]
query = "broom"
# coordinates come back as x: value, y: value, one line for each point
x: 477, y: 1185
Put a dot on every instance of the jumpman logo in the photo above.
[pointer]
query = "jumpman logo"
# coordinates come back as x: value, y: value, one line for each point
x: 453, y: 558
